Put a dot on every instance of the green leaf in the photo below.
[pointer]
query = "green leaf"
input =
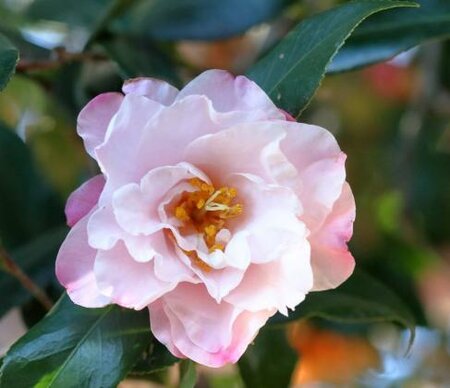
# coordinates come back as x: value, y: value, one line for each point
x: 137, y: 57
x: 188, y: 374
x: 154, y: 359
x: 269, y: 362
x: 385, y: 35
x: 8, y: 60
x: 361, y: 299
x: 37, y: 260
x: 197, y: 19
x: 293, y: 70
x: 77, y: 347
x: 76, y: 13
x: 28, y: 206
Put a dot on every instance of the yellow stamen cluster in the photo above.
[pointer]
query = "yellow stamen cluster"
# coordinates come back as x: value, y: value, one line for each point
x: 207, y: 209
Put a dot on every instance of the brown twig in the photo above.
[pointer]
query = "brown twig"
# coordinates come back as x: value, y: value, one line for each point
x: 13, y: 269
x: 62, y: 57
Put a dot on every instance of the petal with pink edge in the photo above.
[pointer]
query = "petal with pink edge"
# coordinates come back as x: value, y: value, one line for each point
x: 83, y: 199
x: 320, y: 164
x: 74, y: 268
x: 160, y: 327
x: 229, y: 93
x: 144, y: 137
x: 279, y: 284
x: 117, y: 155
x: 94, y: 119
x: 207, y: 332
x: 152, y: 88
x: 128, y: 283
x: 331, y: 261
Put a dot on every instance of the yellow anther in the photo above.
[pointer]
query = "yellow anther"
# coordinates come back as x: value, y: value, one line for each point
x: 206, y: 210
x: 207, y: 188
x: 196, y: 182
x: 232, y: 192
x: 200, y: 203
x: 235, y: 210
x: 181, y: 213
x: 211, y: 230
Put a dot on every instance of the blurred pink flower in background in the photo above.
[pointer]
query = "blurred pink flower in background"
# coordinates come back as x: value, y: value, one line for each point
x: 212, y: 209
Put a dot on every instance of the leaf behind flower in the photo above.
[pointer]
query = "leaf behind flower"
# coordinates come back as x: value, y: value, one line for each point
x: 361, y: 299
x: 9, y: 56
x: 293, y: 70
x: 71, y: 345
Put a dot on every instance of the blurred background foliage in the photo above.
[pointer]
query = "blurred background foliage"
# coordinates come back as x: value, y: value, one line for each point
x: 391, y: 118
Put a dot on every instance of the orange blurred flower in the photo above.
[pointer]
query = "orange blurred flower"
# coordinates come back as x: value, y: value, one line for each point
x: 329, y: 356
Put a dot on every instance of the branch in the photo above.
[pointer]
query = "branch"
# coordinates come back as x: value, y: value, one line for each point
x: 62, y: 57
x: 13, y: 269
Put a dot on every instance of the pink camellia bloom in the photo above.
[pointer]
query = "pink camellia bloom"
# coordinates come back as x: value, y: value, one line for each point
x: 213, y: 209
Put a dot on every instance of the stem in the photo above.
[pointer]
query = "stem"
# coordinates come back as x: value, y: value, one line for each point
x: 62, y: 57
x: 13, y: 269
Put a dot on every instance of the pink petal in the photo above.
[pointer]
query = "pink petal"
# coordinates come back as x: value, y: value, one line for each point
x: 168, y: 266
x: 320, y: 164
x: 218, y: 282
x: 331, y: 261
x: 243, y: 148
x: 144, y: 136
x: 83, y: 199
x: 74, y: 268
x: 160, y: 326
x: 103, y: 230
x: 117, y: 155
x: 230, y: 93
x: 127, y: 282
x: 207, y: 332
x: 279, y: 284
x: 136, y: 206
x: 270, y: 217
x: 288, y: 116
x: 152, y: 88
x: 94, y: 119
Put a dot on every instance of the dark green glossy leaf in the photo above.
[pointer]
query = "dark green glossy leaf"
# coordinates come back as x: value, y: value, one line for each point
x: 387, y: 34
x: 429, y: 187
x: 361, y: 299
x: 28, y: 206
x: 154, y: 359
x: 197, y: 19
x: 79, y: 13
x: 137, y: 57
x: 77, y: 347
x: 8, y: 59
x: 188, y: 374
x: 269, y: 362
x: 37, y: 260
x: 293, y: 70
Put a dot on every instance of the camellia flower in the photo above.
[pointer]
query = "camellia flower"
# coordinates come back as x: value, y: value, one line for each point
x: 213, y: 209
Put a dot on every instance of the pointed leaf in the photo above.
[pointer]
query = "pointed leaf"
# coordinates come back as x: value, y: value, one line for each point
x: 197, y: 19
x: 361, y: 299
x: 77, y: 347
x: 270, y: 361
x: 385, y: 35
x: 293, y: 70
x: 28, y: 206
x: 9, y: 56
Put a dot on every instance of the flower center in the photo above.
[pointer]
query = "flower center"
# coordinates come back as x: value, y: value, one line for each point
x: 206, y: 210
